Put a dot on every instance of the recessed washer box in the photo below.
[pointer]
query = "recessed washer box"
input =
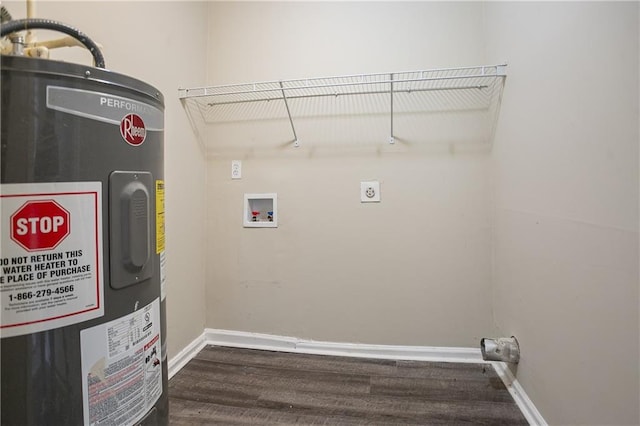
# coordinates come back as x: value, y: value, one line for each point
x: 260, y: 210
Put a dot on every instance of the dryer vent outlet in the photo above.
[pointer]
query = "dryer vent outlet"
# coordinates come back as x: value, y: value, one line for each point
x: 505, y: 349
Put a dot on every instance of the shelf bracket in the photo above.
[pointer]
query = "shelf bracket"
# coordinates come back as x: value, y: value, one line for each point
x: 391, y: 138
x: 286, y: 104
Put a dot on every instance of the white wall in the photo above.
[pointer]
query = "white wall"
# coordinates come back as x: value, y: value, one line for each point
x: 414, y: 269
x: 161, y: 43
x: 556, y: 205
x: 257, y: 41
x: 566, y: 210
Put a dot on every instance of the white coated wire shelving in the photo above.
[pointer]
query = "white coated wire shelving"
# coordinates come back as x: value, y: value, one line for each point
x: 477, y: 87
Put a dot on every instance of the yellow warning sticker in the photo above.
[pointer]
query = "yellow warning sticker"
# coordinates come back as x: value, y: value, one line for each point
x: 159, y: 216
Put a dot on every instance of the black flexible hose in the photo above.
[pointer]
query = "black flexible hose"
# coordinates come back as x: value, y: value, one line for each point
x: 46, y: 24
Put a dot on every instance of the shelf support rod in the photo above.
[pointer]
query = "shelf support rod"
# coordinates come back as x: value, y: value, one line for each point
x: 391, y: 138
x: 286, y: 104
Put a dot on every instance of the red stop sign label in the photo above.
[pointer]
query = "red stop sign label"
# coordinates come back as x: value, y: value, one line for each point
x: 132, y: 129
x: 40, y: 225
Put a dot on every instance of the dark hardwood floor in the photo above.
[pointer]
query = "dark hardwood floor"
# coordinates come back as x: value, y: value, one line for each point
x: 251, y: 387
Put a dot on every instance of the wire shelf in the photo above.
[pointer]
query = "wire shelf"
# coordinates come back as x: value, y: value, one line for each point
x: 466, y: 88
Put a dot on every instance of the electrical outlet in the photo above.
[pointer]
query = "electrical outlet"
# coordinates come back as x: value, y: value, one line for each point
x: 236, y: 169
x: 370, y: 192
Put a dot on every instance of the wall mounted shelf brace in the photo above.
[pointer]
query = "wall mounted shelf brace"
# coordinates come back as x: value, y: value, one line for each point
x: 444, y: 79
x: 293, y: 128
x: 392, y: 139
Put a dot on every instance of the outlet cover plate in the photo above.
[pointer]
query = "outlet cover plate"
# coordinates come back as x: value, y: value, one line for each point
x: 370, y: 191
x: 236, y: 169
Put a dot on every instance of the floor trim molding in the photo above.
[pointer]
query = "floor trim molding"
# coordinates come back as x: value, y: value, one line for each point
x: 521, y: 398
x: 184, y: 356
x: 292, y: 344
x: 269, y: 342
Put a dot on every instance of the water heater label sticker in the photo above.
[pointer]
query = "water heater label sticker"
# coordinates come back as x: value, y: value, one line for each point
x: 51, y: 257
x: 159, y: 216
x: 121, y: 367
x: 163, y: 275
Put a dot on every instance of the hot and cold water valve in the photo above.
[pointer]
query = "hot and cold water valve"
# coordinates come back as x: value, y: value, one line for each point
x: 260, y: 211
x: 256, y: 214
x: 505, y: 349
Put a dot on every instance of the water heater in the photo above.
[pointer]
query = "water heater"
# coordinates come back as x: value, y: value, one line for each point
x: 82, y: 242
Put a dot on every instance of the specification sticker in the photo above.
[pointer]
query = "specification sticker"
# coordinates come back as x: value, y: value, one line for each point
x: 160, y: 216
x: 121, y: 367
x: 51, y: 258
x: 160, y: 236
x: 163, y: 275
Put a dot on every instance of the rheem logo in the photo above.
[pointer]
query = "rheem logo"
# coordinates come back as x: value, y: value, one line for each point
x: 40, y: 225
x: 133, y: 130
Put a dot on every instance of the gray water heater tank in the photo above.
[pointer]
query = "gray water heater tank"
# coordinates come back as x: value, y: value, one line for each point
x: 83, y: 330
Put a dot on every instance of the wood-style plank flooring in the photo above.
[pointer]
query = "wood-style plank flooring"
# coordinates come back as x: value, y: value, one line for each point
x: 228, y: 386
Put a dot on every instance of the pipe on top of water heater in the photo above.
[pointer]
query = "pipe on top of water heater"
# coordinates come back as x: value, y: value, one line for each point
x: 46, y: 24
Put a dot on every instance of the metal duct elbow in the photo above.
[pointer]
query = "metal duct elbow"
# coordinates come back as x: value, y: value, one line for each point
x: 505, y: 349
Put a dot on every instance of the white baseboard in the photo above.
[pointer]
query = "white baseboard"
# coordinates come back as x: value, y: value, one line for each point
x: 291, y: 344
x: 184, y: 356
x: 521, y: 398
x: 269, y: 342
